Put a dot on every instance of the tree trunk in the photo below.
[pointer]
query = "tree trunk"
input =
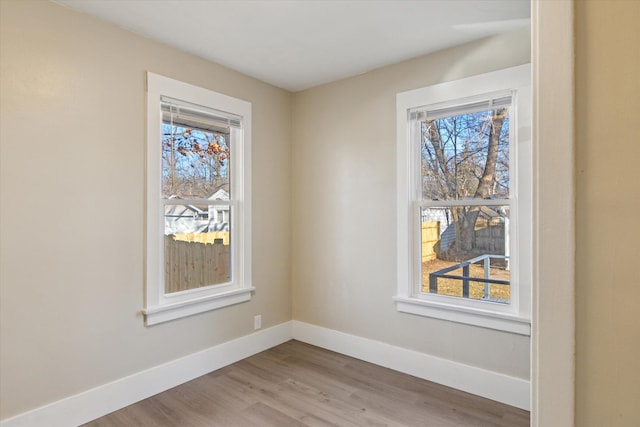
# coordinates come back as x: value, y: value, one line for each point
x: 484, y: 186
x: 466, y: 217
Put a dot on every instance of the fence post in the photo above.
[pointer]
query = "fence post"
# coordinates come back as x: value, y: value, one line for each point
x: 433, y: 284
x: 487, y: 275
x: 465, y: 280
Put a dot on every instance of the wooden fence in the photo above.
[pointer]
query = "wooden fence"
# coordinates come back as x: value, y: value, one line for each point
x: 190, y: 265
x: 430, y: 237
x: 204, y: 237
x: 490, y: 239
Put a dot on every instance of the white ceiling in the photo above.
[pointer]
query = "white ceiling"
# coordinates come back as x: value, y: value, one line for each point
x: 297, y: 44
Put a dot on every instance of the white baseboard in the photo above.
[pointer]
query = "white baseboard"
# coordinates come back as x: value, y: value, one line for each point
x: 104, y: 399
x: 492, y: 385
x: 115, y: 395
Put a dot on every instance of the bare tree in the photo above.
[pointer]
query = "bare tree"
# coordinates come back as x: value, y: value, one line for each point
x: 463, y: 157
x: 195, y: 162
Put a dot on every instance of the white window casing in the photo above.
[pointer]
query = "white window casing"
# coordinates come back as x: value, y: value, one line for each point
x: 160, y: 306
x: 442, y: 99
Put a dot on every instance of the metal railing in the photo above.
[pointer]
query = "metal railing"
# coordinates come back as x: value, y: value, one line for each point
x: 466, y: 278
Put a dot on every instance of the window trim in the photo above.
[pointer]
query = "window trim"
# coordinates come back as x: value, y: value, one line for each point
x: 160, y: 307
x: 515, y: 316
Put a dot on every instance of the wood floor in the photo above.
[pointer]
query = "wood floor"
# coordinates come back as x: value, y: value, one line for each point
x: 296, y: 384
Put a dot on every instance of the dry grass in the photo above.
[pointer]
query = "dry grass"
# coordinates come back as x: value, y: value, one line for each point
x: 453, y: 287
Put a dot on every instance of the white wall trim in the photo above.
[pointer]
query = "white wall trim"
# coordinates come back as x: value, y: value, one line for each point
x: 160, y: 306
x: 104, y: 399
x: 514, y: 316
x: 492, y: 385
x: 553, y: 304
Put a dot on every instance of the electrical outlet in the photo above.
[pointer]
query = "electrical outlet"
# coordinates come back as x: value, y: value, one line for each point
x: 257, y: 322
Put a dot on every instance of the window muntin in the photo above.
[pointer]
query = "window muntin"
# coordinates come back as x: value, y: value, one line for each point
x: 196, y: 154
x: 480, y: 273
x: 196, y: 149
x: 464, y: 155
x: 197, y: 250
x: 509, y: 203
x: 198, y: 200
x: 460, y: 148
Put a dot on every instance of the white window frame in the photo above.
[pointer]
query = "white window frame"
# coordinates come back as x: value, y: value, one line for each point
x: 159, y: 306
x: 515, y: 316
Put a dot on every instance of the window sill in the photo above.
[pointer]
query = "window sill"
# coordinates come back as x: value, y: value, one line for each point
x: 164, y: 313
x: 470, y: 316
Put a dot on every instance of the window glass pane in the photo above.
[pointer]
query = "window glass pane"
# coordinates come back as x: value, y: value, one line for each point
x: 465, y: 252
x: 466, y: 156
x: 196, y: 246
x: 195, y: 161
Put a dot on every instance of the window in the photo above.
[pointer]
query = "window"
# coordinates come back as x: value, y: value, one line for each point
x: 198, y: 251
x: 464, y: 200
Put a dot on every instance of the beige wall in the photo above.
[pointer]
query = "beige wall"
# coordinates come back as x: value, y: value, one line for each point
x: 607, y: 213
x: 71, y: 214
x: 344, y: 208
x: 72, y: 168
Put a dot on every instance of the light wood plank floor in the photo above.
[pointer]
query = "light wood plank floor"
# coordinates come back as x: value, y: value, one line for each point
x: 296, y: 384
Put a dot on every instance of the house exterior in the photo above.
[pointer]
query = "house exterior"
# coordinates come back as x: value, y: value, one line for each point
x: 219, y: 215
x: 197, y: 219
